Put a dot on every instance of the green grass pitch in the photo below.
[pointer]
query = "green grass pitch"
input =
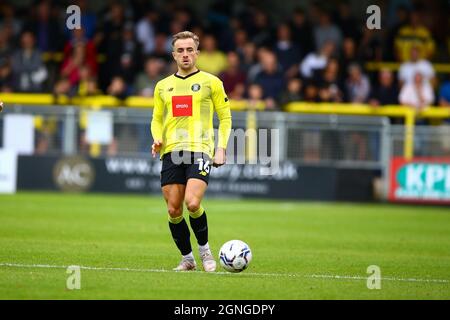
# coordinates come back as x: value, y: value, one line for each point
x: 301, y: 250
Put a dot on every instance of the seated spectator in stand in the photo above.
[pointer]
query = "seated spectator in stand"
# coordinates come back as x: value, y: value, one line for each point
x: 357, y: 84
x: 418, y: 94
x: 256, y: 67
x: 90, y: 51
x: 316, y: 61
x: 414, y: 34
x: 444, y: 93
x: 349, y: 54
x: 270, y: 79
x: 233, y: 78
x: 145, y: 32
x: 302, y: 31
x: 240, y: 40
x: 160, y: 50
x: 287, y: 52
x: 28, y: 69
x: 326, y: 31
x: 330, y: 86
x: 248, y: 58
x: 311, y: 92
x: 71, y: 67
x: 255, y: 97
x: 408, y: 69
x: 63, y: 88
x: 118, y: 88
x: 6, y: 78
x: 46, y: 27
x: 211, y: 59
x: 125, y: 57
x: 146, y: 81
x: 386, y: 91
x: 293, y: 93
x: 87, y: 85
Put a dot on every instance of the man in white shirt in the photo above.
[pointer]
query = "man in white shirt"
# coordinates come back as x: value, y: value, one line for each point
x: 408, y: 69
x: 418, y: 94
x: 316, y: 60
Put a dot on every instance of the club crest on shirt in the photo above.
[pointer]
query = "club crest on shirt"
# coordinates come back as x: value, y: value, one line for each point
x: 195, y: 87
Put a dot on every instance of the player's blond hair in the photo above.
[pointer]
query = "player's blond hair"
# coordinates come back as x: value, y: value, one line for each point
x: 186, y: 35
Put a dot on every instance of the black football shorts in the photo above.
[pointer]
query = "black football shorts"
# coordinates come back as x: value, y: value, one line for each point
x: 179, y: 166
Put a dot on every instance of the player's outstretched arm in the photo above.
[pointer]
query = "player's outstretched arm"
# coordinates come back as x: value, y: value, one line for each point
x: 1, y: 106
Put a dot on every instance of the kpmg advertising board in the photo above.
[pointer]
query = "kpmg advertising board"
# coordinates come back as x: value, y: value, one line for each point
x: 141, y: 175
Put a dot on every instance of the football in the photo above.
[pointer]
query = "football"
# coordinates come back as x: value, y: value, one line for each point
x: 235, y: 256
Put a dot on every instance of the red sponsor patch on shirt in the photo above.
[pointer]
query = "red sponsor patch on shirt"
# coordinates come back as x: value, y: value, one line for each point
x: 181, y: 106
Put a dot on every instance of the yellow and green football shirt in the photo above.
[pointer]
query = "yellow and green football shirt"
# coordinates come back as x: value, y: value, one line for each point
x: 183, y: 113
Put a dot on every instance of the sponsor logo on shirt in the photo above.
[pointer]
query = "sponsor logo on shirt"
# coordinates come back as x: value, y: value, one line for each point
x: 181, y: 106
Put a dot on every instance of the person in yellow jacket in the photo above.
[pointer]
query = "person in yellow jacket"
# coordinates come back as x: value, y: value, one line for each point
x: 183, y: 135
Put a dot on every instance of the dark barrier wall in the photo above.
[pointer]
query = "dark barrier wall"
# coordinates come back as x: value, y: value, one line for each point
x: 141, y: 175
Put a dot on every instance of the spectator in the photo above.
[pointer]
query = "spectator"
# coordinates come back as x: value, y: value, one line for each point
x: 118, y: 88
x: 311, y: 92
x: 240, y: 41
x: 386, y: 92
x: 9, y: 22
x: 444, y: 93
x: 401, y: 21
x: 302, y: 31
x: 414, y: 34
x: 371, y: 45
x: 418, y: 94
x: 71, y: 66
x: 90, y: 52
x: 326, y: 31
x: 63, y: 87
x: 145, y: 32
x: 255, y: 97
x: 293, y: 93
x: 46, y: 28
x: 409, y: 69
x: 330, y: 87
x: 287, y: 52
x: 6, y: 78
x: 147, y: 80
x: 87, y: 85
x: 259, y: 30
x: 349, y: 54
x: 347, y: 22
x: 233, y: 78
x: 125, y: 57
x: 210, y: 59
x: 270, y: 79
x: 160, y: 50
x: 316, y: 61
x: 29, y: 72
x: 251, y: 64
x: 358, y: 86
x: 5, y: 48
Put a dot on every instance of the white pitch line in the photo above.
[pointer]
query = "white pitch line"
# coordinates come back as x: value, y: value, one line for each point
x: 317, y: 276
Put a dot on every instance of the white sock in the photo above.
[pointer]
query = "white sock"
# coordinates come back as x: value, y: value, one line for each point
x: 189, y: 256
x: 204, y: 247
